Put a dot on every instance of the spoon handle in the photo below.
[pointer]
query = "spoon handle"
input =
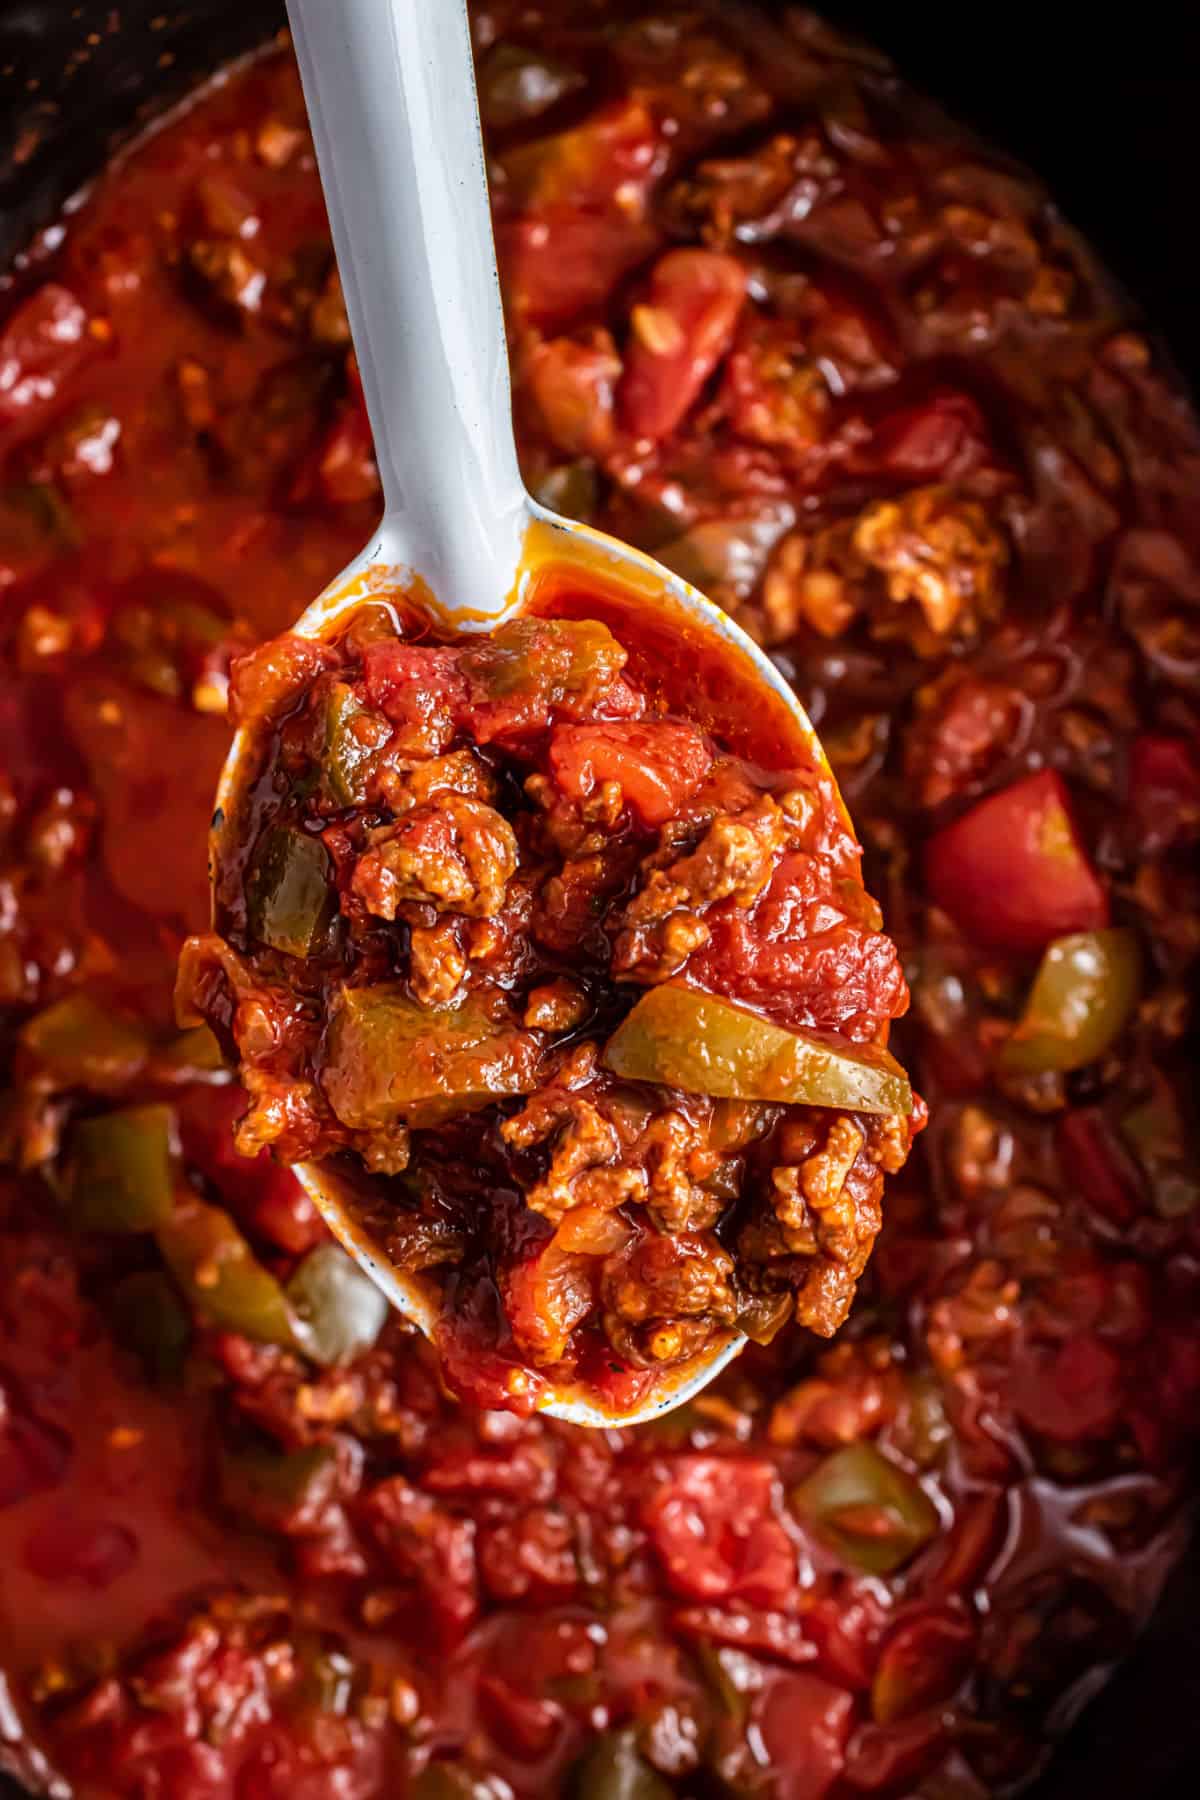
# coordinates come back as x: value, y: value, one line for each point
x: 390, y: 89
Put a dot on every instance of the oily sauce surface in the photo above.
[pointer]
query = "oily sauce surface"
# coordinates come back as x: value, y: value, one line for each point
x: 894, y: 419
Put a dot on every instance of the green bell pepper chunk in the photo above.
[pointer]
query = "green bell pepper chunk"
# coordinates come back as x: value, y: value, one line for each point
x: 342, y: 1308
x: 328, y: 1679
x: 706, y: 1045
x: 867, y: 1509
x: 222, y: 1278
x: 612, y: 1769
x: 761, y: 1317
x: 191, y: 1056
x: 927, y: 1431
x: 446, y: 1781
x: 148, y: 1319
x: 580, y: 1690
x: 81, y: 1044
x: 193, y: 626
x: 388, y: 1058
x: 517, y: 84
x: 347, y: 761
x: 271, y: 1488
x: 552, y: 658
x: 119, y: 1170
x: 290, y: 893
x: 1083, y: 994
x: 733, y: 1701
x: 41, y: 502
x: 722, y: 553
x: 35, y: 520
x: 570, y: 488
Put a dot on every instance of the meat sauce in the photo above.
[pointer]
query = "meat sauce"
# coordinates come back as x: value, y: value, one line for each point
x: 932, y: 463
x: 488, y: 918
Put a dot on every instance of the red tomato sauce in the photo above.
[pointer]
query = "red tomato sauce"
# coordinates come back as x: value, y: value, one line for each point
x: 937, y: 470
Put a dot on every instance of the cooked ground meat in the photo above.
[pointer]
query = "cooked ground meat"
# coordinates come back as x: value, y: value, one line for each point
x: 451, y: 853
x: 246, y: 1551
x: 463, y: 863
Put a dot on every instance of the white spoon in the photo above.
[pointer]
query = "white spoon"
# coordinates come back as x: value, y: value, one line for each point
x: 390, y: 89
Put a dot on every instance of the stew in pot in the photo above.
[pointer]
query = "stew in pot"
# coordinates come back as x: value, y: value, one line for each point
x: 850, y: 373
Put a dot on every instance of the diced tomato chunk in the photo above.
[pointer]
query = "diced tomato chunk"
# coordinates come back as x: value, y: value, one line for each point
x: 391, y: 669
x: 1098, y: 1165
x: 774, y: 390
x: 618, y: 1390
x: 942, y: 437
x: 526, y: 1725
x: 532, y: 671
x: 714, y: 1524
x: 754, y: 1629
x: 922, y: 1663
x: 421, y: 689
x: 846, y: 1627
x: 1013, y: 872
x: 70, y: 1547
x: 43, y: 345
x: 546, y: 1297
x: 283, y: 1765
x: 430, y: 1546
x: 1071, y: 1393
x: 887, y: 1759
x: 281, y: 1211
x: 483, y: 1377
x: 263, y: 1195
x: 514, y: 1469
x: 570, y: 384
x: 804, y: 1724
x: 557, y: 267
x: 960, y: 738
x: 151, y: 1753
x: 615, y: 151
x: 531, y: 1556
x: 265, y: 679
x: 658, y: 765
x: 580, y: 216
x: 345, y: 468
x: 971, y: 1544
x: 800, y: 959
x: 1164, y: 790
x: 1111, y: 1298
x: 679, y: 335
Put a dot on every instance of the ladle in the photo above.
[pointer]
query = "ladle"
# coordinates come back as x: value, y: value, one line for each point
x: 391, y: 99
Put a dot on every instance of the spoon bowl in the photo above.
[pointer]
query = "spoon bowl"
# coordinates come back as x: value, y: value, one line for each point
x: 391, y: 97
x: 550, y: 543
